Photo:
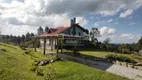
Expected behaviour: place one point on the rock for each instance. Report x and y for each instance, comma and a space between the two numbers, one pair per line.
133, 66
138, 64
51, 61
36, 64
42, 63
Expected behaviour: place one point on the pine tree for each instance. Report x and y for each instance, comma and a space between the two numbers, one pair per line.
40, 31
46, 29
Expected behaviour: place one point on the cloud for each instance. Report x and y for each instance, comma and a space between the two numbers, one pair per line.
106, 31
110, 20
31, 14
126, 13
82, 21
103, 7
92, 17
96, 24
132, 23
116, 37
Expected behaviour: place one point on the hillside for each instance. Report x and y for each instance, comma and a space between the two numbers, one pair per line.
16, 65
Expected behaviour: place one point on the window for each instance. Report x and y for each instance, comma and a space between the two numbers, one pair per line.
79, 33
74, 33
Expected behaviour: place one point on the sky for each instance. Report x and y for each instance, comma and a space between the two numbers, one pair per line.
120, 20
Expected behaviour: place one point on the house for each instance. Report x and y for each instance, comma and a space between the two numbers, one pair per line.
66, 36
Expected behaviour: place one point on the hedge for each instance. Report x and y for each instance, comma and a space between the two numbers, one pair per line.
120, 58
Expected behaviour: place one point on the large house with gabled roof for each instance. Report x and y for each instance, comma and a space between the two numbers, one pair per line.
67, 36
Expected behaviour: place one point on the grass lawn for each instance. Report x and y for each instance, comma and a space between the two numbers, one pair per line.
95, 53
16, 65
103, 54
91, 53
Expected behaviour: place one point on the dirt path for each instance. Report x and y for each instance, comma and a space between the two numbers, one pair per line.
112, 68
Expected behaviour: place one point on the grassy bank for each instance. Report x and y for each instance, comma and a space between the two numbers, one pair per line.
16, 65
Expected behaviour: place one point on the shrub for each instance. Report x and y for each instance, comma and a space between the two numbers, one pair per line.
111, 57
120, 58
51, 74
32, 68
39, 71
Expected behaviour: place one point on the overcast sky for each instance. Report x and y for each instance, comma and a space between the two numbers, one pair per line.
120, 20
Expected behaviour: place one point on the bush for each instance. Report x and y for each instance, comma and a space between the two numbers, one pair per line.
51, 74
32, 68
111, 57
120, 58
39, 71
26, 44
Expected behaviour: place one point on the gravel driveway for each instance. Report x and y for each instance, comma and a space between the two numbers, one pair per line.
112, 68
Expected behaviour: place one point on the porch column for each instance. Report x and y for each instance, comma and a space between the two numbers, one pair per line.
44, 46
52, 40
57, 47
35, 41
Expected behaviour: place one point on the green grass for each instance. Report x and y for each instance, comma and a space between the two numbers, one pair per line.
95, 53
135, 57
92, 53
66, 70
16, 65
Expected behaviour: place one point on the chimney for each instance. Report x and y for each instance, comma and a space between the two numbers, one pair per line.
73, 21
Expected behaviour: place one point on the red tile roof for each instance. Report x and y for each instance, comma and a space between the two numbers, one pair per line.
54, 31
61, 29
57, 31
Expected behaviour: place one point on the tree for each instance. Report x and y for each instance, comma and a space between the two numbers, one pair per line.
139, 44
94, 33
107, 44
125, 48
46, 29
40, 30
107, 40
23, 38
27, 36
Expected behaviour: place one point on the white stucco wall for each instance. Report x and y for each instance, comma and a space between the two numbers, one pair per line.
78, 30
48, 43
